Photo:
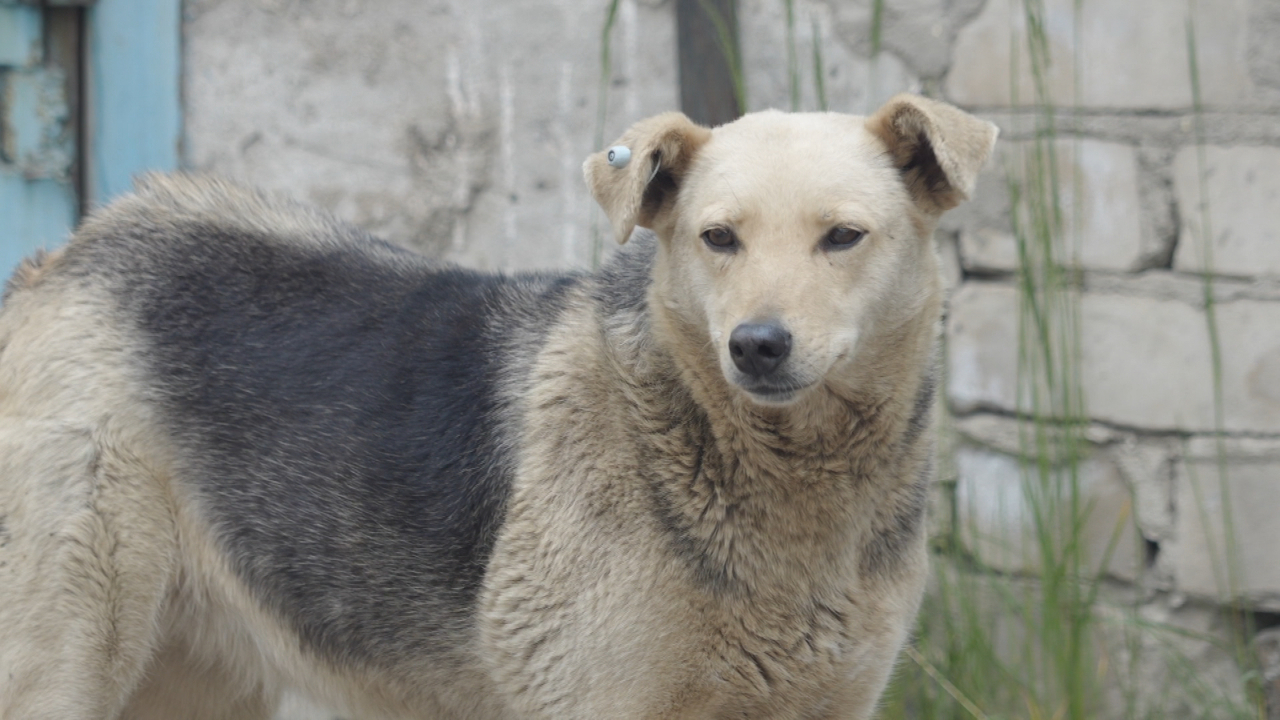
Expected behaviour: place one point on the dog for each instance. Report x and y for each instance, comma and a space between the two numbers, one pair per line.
246, 448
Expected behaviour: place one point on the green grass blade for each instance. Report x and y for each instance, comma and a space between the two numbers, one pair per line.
819, 68
602, 113
793, 65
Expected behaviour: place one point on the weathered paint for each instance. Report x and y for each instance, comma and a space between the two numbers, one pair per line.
134, 63
38, 203
33, 125
133, 81
33, 214
20, 44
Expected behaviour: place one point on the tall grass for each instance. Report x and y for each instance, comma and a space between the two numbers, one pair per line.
727, 41
1230, 570
1051, 395
793, 61
1058, 665
819, 69
602, 114
1017, 648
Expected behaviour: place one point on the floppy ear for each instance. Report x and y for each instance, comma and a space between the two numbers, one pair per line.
938, 148
645, 187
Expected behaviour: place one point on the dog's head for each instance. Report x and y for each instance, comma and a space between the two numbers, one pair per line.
788, 240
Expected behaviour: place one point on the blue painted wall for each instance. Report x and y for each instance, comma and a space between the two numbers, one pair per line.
133, 112
38, 203
134, 66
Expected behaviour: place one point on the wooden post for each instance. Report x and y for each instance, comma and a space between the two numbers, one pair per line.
710, 66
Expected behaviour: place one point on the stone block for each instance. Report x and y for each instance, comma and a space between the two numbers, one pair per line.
949, 261
1242, 187
1144, 463
1168, 659
1102, 211
982, 343
982, 223
1226, 531
1003, 504
921, 32
853, 82
1267, 645
1134, 54
1264, 55
456, 128
1152, 660
1145, 363
1147, 467
1250, 365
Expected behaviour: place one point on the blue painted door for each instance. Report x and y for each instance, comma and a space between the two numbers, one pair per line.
133, 62
39, 200
89, 98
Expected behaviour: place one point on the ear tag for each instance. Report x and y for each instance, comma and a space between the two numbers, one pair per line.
619, 156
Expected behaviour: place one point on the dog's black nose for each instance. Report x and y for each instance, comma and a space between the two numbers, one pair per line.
759, 348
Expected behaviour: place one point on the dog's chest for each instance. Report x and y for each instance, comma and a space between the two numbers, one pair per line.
619, 614
783, 658
626, 569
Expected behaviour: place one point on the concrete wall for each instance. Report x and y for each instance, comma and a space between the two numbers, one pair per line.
455, 127
458, 128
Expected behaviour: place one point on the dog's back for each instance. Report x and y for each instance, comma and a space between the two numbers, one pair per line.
336, 403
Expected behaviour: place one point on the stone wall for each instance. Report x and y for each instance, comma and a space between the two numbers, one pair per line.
459, 127
1131, 180
1142, 199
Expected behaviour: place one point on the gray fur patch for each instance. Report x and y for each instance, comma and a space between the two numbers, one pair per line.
902, 519
900, 524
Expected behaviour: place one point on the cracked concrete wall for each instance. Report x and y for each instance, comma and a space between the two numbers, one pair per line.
457, 128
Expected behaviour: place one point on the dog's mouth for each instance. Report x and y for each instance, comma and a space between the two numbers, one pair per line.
778, 391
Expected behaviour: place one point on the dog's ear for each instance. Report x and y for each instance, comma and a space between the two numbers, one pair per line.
639, 191
938, 148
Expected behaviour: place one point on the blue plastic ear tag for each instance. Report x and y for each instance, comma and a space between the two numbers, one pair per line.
619, 156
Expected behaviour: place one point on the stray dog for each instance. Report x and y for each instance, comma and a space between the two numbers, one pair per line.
245, 447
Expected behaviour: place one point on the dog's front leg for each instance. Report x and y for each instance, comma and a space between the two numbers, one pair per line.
86, 562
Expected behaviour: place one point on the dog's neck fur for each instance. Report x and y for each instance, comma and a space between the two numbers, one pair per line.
828, 473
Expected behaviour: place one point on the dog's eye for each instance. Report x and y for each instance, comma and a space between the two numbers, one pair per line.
844, 237
720, 238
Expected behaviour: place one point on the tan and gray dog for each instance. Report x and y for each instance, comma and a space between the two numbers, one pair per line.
246, 448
